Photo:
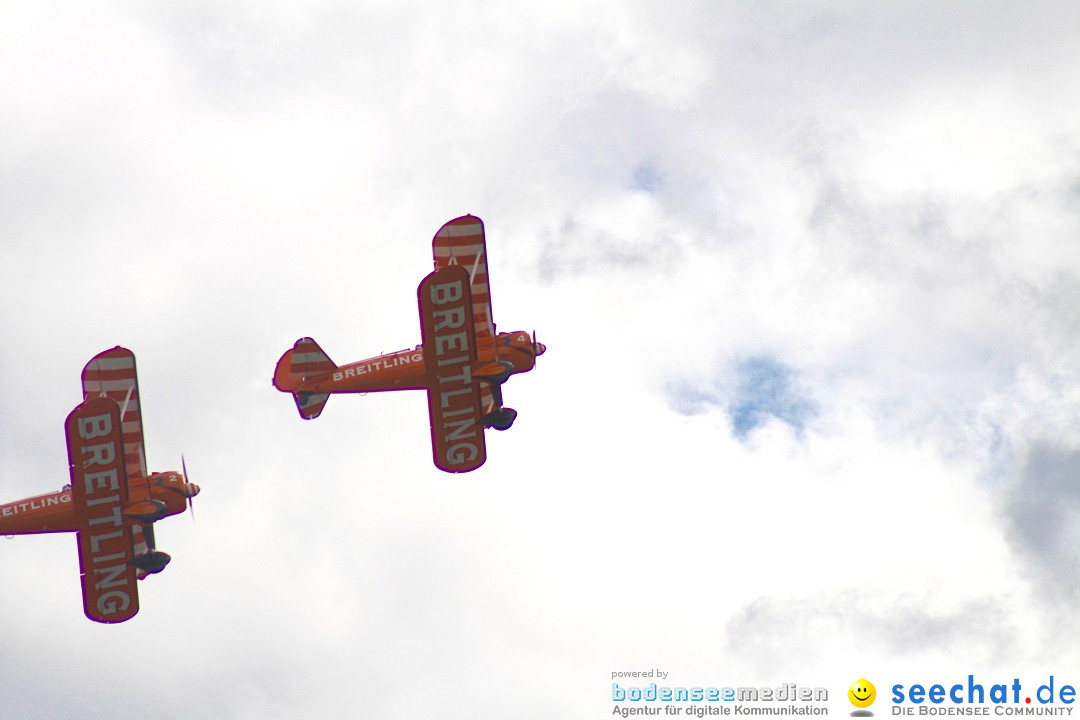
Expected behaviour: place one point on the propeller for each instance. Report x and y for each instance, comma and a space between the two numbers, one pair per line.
538, 347
190, 489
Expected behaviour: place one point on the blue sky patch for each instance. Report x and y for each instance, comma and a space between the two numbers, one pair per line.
757, 389
764, 390
648, 178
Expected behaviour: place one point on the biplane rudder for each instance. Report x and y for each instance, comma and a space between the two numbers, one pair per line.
304, 361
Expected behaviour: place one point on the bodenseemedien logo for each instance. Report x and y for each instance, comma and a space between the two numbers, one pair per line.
701, 701
862, 694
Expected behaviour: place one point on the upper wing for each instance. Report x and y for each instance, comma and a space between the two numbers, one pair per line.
111, 374
461, 242
99, 490
449, 345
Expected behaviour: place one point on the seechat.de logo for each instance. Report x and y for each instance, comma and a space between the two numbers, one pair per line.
862, 694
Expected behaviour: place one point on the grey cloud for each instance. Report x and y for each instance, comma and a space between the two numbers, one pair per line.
575, 249
769, 632
1042, 512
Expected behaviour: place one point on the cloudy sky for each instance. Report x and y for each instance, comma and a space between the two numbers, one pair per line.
809, 278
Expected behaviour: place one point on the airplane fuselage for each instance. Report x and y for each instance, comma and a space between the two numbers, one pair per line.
54, 512
506, 353
48, 513
401, 370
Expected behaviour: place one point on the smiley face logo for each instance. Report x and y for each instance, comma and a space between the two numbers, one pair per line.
862, 693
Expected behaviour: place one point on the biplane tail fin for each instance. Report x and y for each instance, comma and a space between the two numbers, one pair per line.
304, 360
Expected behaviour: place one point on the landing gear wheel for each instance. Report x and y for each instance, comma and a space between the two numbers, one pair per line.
152, 562
503, 418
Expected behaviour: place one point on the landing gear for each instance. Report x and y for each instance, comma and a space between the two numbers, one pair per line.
152, 562
501, 419
500, 377
154, 511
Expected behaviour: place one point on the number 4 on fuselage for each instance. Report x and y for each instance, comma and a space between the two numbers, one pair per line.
461, 361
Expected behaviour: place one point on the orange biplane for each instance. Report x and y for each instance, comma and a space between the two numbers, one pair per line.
461, 361
112, 502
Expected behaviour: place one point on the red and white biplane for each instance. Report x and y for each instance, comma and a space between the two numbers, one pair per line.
461, 361
112, 502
